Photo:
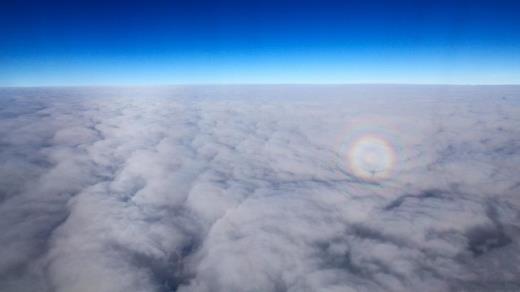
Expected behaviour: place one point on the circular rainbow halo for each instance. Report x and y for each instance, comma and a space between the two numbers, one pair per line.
371, 157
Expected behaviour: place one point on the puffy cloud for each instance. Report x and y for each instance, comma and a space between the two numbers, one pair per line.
260, 188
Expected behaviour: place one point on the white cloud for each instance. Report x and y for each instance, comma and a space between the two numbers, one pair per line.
253, 189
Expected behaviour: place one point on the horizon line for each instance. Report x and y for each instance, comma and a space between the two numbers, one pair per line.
258, 84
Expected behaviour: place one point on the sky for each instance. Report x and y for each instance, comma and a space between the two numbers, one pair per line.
192, 42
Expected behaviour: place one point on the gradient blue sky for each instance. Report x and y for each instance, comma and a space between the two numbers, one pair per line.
172, 42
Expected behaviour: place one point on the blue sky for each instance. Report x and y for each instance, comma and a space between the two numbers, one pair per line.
173, 42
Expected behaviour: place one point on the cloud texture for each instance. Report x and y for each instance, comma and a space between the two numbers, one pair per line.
260, 188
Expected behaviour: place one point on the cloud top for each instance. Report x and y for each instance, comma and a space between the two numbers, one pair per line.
260, 188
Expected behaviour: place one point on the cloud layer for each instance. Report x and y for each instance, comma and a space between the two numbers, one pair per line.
260, 188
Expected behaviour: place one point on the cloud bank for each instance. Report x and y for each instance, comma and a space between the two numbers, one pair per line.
260, 188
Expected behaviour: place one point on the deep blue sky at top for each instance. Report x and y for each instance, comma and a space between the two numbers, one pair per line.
169, 42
